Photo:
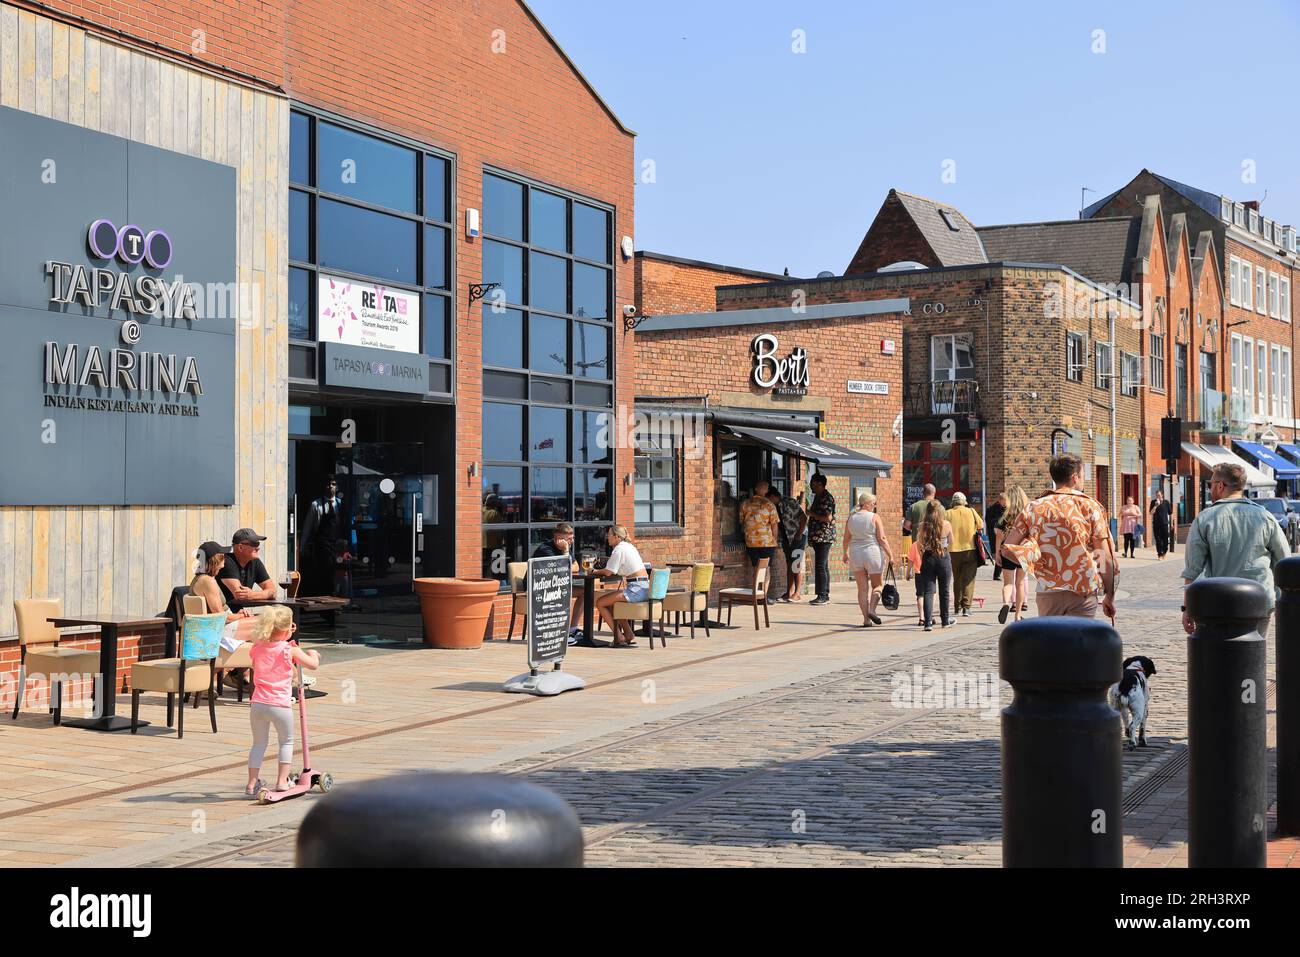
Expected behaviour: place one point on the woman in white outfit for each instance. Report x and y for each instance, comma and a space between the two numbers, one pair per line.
866, 550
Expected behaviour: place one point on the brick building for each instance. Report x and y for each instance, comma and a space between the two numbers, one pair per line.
841, 413
467, 186
1251, 408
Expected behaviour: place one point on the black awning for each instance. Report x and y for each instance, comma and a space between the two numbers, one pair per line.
830, 458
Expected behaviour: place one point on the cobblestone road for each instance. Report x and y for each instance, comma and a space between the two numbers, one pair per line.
832, 771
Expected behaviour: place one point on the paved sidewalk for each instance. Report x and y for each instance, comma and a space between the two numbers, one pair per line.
786, 746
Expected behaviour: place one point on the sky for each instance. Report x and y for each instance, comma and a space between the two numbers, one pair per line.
767, 158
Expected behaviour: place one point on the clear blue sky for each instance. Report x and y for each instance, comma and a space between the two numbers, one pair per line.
765, 158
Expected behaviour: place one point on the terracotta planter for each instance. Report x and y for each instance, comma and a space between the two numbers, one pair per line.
455, 610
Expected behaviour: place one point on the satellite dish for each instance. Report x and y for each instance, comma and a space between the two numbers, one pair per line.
826, 274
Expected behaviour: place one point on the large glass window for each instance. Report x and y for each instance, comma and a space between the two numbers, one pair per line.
550, 253
367, 207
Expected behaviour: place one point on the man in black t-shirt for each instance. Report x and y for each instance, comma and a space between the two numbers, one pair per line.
244, 577
561, 543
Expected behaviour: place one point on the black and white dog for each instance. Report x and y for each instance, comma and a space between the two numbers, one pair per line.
1132, 699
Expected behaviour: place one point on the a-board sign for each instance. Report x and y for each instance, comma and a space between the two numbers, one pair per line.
550, 594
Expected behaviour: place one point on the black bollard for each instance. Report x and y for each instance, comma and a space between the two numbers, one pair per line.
1227, 724
1286, 642
441, 820
1062, 785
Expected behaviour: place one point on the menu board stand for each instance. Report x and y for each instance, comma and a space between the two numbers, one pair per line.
550, 600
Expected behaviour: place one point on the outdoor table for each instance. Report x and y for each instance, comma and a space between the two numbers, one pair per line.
588, 582
109, 626
704, 615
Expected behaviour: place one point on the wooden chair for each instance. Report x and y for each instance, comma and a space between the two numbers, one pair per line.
40, 654
295, 582
517, 576
694, 600
645, 610
193, 671
755, 595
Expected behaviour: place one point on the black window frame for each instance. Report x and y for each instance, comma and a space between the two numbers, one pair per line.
315, 194
570, 380
1101, 379
1075, 342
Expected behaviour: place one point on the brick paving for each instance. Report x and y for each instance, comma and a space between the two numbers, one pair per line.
792, 753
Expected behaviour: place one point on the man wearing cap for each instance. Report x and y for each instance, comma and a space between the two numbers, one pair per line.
244, 577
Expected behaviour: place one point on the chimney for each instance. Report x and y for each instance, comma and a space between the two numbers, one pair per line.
1252, 204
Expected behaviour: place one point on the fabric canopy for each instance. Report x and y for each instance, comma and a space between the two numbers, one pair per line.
1282, 467
830, 458
1212, 455
1291, 450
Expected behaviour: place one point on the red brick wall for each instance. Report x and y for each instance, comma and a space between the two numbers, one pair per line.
669, 287
142, 646
475, 77
893, 237
717, 361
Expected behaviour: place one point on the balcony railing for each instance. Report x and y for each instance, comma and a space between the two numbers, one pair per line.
1215, 411
942, 397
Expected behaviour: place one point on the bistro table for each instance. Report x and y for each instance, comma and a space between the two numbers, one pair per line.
588, 581
109, 627
704, 614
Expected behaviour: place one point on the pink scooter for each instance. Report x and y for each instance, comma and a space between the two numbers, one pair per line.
304, 781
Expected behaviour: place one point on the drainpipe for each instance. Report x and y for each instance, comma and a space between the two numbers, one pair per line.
1115, 359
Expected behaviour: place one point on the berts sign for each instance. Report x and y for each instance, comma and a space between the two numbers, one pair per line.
788, 376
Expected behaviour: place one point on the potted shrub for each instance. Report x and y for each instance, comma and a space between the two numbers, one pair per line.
455, 610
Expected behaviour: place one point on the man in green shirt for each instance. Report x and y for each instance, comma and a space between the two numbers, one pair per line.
1233, 538
917, 513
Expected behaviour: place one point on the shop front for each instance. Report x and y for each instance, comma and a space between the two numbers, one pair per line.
728, 399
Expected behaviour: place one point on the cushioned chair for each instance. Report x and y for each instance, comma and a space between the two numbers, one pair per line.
192, 672
517, 576
645, 610
40, 654
755, 595
694, 600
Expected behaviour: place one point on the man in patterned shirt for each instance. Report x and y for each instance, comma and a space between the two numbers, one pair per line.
760, 521
1066, 537
821, 536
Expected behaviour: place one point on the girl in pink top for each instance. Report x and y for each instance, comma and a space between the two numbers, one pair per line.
274, 657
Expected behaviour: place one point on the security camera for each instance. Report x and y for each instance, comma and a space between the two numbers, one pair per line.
629, 310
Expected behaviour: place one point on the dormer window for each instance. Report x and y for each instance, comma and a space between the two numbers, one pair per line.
950, 219
1254, 222
1238, 214
1225, 209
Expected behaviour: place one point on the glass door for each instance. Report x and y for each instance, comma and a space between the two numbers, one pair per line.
389, 499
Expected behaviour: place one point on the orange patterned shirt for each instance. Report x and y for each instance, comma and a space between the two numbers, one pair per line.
1062, 530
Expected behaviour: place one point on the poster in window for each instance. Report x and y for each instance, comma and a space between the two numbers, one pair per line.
358, 313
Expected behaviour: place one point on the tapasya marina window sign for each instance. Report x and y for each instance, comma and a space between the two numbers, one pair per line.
787, 376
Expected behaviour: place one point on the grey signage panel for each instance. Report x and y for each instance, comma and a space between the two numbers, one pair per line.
107, 418
356, 367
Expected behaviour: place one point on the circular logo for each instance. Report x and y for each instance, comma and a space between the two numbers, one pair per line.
130, 244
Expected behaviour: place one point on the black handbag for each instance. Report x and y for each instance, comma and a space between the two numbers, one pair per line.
981, 551
889, 592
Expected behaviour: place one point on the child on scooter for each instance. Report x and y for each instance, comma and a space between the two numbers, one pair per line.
273, 659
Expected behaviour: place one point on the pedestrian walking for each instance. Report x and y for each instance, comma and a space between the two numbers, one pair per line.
1015, 576
934, 538
866, 552
916, 514
761, 524
821, 536
993, 521
1129, 517
1233, 537
1161, 524
1065, 536
966, 526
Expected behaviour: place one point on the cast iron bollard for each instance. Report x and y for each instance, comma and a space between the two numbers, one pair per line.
1061, 760
441, 820
1227, 723
1286, 642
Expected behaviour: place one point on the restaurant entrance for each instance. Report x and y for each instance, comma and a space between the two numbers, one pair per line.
384, 529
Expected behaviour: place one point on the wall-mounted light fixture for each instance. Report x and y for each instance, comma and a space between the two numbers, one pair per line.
473, 469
